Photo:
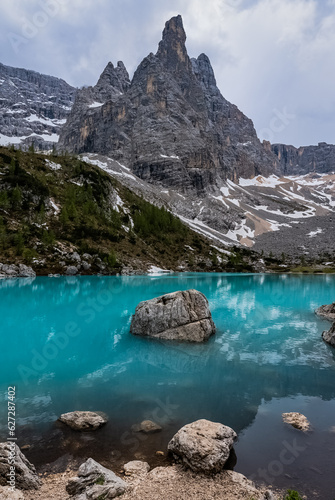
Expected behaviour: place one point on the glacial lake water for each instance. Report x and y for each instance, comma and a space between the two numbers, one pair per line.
65, 345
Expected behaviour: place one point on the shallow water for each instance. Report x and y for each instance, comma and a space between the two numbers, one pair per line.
65, 345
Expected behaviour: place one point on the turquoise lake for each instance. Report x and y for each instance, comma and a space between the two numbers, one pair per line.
65, 345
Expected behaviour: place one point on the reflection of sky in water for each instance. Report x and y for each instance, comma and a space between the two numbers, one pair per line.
268, 345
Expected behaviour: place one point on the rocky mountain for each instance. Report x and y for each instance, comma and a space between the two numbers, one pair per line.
303, 160
170, 124
33, 107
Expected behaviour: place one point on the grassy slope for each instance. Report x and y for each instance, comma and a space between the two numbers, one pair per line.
96, 215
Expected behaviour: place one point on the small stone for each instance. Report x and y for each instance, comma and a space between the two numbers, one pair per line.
147, 426
297, 420
85, 265
71, 270
160, 453
136, 467
84, 420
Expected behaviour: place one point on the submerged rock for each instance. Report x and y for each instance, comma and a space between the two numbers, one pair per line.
84, 420
297, 420
147, 426
203, 446
94, 482
329, 336
25, 472
327, 311
182, 315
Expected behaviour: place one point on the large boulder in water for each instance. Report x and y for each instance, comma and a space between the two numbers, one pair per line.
182, 315
329, 336
203, 446
327, 311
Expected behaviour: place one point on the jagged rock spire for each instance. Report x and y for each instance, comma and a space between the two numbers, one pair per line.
118, 78
171, 49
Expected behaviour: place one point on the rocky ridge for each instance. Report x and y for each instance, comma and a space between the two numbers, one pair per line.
33, 107
304, 160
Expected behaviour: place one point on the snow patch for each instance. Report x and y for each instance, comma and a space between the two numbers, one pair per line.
96, 104
157, 271
312, 234
52, 165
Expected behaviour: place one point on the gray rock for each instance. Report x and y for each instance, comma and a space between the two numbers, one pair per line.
84, 420
10, 269
25, 472
87, 256
136, 468
147, 426
182, 315
95, 481
71, 270
327, 311
85, 265
74, 256
329, 336
26, 271
203, 446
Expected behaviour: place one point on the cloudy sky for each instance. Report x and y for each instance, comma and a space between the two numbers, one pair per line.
275, 59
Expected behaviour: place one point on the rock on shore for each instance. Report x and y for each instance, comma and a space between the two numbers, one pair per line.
14, 271
182, 315
25, 472
95, 481
203, 446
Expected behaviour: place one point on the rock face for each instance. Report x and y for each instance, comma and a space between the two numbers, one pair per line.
203, 446
303, 160
183, 316
25, 472
297, 420
327, 311
94, 482
33, 107
171, 124
329, 336
84, 420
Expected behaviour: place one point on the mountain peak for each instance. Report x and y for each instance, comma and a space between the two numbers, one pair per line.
172, 50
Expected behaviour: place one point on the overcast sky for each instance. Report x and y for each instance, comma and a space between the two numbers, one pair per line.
274, 59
